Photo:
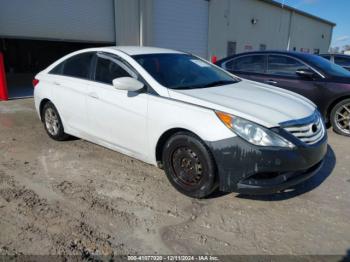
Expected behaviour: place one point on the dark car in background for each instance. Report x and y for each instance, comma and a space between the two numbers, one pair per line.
339, 59
323, 82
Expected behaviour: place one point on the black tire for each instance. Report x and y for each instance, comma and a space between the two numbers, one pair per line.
57, 131
341, 111
189, 165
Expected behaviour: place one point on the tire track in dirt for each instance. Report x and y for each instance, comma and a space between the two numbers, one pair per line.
46, 222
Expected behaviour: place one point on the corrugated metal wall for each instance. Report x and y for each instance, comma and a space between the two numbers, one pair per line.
72, 20
181, 25
127, 22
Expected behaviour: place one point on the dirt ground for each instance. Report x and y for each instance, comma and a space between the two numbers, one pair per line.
75, 197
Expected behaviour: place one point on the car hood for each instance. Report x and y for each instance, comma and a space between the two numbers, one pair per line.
263, 104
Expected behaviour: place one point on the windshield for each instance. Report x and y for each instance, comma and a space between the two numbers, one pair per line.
183, 71
327, 67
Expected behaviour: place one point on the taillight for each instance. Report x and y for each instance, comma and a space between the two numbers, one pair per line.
35, 82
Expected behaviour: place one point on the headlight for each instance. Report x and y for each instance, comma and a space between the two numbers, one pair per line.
252, 132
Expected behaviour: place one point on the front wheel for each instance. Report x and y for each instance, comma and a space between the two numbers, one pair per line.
189, 165
340, 117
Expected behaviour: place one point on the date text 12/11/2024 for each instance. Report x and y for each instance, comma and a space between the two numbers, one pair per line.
173, 258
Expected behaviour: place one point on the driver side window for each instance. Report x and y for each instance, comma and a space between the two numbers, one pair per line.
284, 66
109, 68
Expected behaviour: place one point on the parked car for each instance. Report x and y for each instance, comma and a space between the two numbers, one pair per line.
324, 83
339, 59
204, 126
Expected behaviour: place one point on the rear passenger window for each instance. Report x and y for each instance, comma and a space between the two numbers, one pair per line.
328, 57
109, 68
77, 66
284, 66
253, 64
57, 70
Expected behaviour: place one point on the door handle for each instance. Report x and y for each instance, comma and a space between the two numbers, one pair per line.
271, 82
56, 83
93, 95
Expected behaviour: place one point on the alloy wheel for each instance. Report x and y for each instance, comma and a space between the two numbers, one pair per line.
52, 122
342, 118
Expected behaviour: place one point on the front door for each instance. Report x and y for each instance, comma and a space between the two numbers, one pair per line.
281, 72
117, 117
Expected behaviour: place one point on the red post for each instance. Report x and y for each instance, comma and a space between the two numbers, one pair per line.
3, 85
214, 59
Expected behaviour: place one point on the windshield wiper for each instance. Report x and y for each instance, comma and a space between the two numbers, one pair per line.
218, 83
211, 84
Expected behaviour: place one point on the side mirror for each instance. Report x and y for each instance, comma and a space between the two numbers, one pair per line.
306, 73
127, 83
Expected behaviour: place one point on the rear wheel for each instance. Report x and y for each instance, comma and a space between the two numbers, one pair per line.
52, 122
340, 117
189, 165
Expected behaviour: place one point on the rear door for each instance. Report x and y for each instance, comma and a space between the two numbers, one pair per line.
252, 67
70, 81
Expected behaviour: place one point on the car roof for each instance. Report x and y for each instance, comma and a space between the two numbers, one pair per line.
143, 50
290, 53
339, 55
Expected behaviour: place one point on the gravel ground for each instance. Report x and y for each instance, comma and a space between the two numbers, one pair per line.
75, 197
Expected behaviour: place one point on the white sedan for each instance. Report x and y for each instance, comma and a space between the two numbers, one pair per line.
204, 126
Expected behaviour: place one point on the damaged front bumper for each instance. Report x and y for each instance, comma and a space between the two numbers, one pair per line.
250, 169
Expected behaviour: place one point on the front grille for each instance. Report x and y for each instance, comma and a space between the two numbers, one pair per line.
310, 130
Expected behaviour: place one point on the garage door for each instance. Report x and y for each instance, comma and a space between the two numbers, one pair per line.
181, 25
78, 20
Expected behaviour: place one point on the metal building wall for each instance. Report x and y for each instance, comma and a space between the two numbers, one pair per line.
181, 25
78, 20
308, 33
133, 22
127, 22
231, 20
118, 21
